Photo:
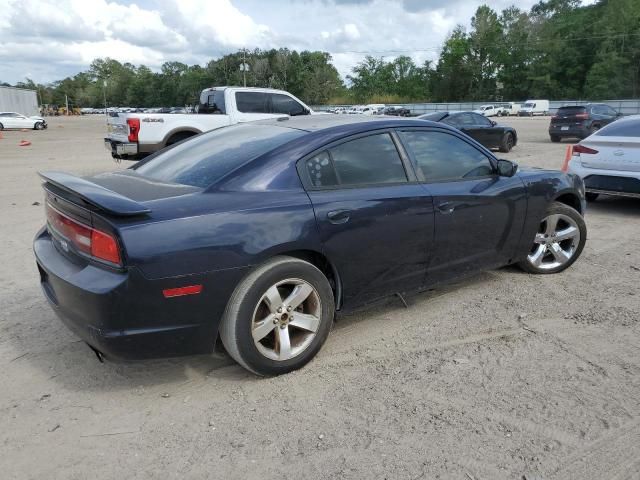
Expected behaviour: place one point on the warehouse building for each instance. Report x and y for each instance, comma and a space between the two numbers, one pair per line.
19, 100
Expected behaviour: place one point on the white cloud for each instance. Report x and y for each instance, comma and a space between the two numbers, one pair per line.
50, 39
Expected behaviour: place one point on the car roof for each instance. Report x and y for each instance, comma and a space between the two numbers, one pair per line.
314, 123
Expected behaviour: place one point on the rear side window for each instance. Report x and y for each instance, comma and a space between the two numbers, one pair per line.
621, 128
252, 102
441, 156
203, 160
370, 160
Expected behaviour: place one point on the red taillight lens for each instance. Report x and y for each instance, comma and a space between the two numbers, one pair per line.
87, 240
134, 128
555, 117
105, 247
582, 116
182, 291
578, 149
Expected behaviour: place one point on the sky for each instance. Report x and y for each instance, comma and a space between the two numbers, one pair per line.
48, 40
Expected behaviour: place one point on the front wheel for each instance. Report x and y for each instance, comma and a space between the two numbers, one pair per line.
278, 317
558, 242
1, 127
38, 126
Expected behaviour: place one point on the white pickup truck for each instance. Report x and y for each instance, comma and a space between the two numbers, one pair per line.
132, 136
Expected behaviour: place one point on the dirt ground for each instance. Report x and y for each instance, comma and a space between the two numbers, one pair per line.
502, 376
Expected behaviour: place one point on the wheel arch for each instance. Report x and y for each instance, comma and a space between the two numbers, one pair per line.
177, 131
570, 199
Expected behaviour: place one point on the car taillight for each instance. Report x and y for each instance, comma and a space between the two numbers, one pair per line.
555, 117
578, 149
134, 128
87, 240
582, 116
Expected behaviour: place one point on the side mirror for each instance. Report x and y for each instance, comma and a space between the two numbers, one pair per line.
507, 168
618, 114
493, 123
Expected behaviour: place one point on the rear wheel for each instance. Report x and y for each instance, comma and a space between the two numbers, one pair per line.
507, 142
178, 137
1, 127
555, 138
558, 242
591, 197
278, 317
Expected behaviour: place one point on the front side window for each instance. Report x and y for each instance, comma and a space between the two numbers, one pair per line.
480, 120
441, 156
286, 105
371, 160
252, 102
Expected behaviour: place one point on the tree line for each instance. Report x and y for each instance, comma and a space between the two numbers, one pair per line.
559, 49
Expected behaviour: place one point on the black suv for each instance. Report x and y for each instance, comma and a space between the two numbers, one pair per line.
580, 121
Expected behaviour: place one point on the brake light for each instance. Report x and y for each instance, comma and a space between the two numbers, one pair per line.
134, 128
182, 291
87, 240
582, 116
578, 149
555, 117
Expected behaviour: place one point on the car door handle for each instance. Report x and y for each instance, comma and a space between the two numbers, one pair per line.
446, 208
339, 216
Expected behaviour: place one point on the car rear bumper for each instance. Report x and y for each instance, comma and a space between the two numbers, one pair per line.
577, 131
611, 182
121, 314
121, 149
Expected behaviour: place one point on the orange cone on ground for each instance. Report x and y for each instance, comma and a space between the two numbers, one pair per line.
24, 143
567, 157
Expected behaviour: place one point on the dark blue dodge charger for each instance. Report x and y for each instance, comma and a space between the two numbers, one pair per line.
257, 233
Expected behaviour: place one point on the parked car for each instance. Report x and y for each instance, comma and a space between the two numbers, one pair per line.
17, 120
487, 132
259, 232
534, 107
509, 109
609, 160
489, 110
134, 136
580, 121
373, 109
397, 111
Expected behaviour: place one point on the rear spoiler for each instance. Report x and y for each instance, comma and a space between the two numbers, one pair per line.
100, 197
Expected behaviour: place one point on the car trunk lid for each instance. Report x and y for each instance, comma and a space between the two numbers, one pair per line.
570, 116
612, 153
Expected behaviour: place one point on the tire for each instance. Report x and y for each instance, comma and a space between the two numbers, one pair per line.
543, 247
555, 138
591, 196
507, 143
1, 127
38, 126
249, 303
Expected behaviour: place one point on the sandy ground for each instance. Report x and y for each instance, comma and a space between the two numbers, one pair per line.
502, 376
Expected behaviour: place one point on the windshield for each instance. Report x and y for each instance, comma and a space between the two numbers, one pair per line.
205, 159
529, 105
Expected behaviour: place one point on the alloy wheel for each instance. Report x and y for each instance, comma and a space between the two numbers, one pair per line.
286, 319
555, 243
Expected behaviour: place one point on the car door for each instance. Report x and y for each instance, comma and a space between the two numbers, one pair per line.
252, 106
375, 220
11, 120
490, 133
479, 215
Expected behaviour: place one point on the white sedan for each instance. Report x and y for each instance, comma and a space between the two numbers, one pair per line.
609, 160
16, 120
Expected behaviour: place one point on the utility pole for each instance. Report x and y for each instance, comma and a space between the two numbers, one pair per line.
104, 94
244, 67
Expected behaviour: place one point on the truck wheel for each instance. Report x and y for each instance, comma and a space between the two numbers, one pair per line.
507, 143
278, 317
178, 137
591, 196
558, 242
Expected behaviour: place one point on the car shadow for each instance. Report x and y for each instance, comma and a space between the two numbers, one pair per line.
611, 204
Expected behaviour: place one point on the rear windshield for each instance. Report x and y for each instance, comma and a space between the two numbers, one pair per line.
571, 110
205, 159
621, 128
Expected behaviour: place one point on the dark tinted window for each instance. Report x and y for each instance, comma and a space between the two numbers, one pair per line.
212, 102
434, 117
287, 105
460, 119
570, 110
621, 128
252, 102
442, 156
610, 111
368, 160
206, 158
365, 161
480, 120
